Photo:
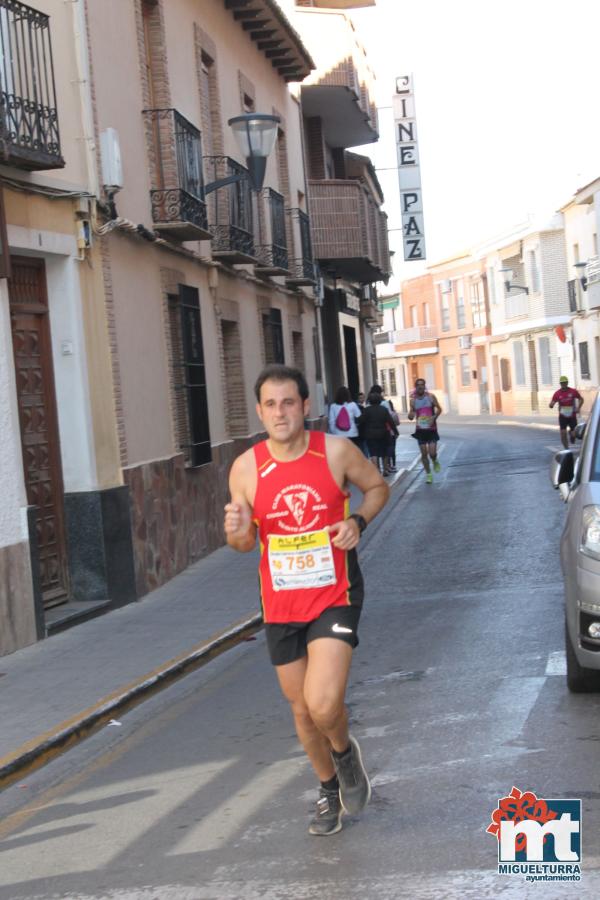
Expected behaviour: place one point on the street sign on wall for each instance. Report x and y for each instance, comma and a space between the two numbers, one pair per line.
409, 170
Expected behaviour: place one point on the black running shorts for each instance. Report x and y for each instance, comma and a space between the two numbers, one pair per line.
567, 422
287, 641
426, 436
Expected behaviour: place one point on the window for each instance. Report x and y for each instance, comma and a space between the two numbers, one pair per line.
383, 377
429, 375
519, 363
478, 305
318, 372
426, 314
413, 317
189, 376
445, 310
393, 389
534, 272
584, 361
465, 369
236, 413
572, 295
460, 307
273, 337
545, 360
492, 285
298, 350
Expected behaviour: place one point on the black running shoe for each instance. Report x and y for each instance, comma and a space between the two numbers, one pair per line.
355, 790
328, 817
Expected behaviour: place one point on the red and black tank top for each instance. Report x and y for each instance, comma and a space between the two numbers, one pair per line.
301, 572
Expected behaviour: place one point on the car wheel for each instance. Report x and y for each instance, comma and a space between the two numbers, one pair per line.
579, 679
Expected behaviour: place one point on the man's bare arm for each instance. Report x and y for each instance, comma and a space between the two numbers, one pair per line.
345, 458
240, 530
436, 406
411, 410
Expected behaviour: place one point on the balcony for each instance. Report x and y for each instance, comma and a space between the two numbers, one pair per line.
273, 255
302, 268
592, 273
340, 91
177, 194
418, 334
29, 137
230, 213
370, 312
516, 306
349, 231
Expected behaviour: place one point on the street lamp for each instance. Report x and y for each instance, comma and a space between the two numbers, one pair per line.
256, 134
508, 274
581, 267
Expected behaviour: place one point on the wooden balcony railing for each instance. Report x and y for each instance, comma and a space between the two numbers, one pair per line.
349, 230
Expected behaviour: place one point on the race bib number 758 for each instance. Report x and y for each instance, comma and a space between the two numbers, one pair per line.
301, 560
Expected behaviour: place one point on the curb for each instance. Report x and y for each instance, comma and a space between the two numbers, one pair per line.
45, 747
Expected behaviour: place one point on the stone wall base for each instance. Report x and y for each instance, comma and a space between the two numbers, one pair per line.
17, 611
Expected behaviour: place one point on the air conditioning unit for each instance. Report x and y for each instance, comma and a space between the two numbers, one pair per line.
465, 342
446, 286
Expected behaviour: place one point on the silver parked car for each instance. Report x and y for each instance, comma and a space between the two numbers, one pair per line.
576, 472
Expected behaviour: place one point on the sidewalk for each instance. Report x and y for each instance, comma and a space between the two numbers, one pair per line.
58, 691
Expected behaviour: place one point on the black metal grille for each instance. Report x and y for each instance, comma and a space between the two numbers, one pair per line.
230, 208
29, 134
177, 193
278, 237
303, 267
572, 290
190, 377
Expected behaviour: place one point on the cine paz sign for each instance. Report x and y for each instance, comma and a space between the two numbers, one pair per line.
409, 171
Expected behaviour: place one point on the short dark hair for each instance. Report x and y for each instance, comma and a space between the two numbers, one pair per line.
278, 372
417, 380
374, 398
376, 389
342, 395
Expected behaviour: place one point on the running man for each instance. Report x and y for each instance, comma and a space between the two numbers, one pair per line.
291, 491
569, 402
426, 409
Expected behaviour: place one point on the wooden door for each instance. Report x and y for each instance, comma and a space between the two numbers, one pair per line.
497, 385
37, 415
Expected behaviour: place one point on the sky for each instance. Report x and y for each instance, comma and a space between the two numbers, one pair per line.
507, 99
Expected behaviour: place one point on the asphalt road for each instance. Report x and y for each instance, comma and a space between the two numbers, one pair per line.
457, 694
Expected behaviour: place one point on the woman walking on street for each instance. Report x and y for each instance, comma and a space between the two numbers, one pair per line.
378, 424
343, 416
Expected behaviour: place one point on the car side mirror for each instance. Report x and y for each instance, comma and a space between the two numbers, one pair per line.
580, 430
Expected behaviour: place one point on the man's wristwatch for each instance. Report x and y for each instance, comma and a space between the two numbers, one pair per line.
360, 521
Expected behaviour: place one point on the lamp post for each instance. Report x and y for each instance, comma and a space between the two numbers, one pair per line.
256, 134
508, 274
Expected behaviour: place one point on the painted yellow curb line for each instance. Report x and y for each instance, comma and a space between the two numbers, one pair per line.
41, 749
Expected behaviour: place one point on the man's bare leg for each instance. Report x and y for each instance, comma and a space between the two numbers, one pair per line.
325, 684
316, 745
564, 438
425, 457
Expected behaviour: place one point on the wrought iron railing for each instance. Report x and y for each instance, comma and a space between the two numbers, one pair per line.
302, 268
177, 193
230, 214
275, 253
29, 134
